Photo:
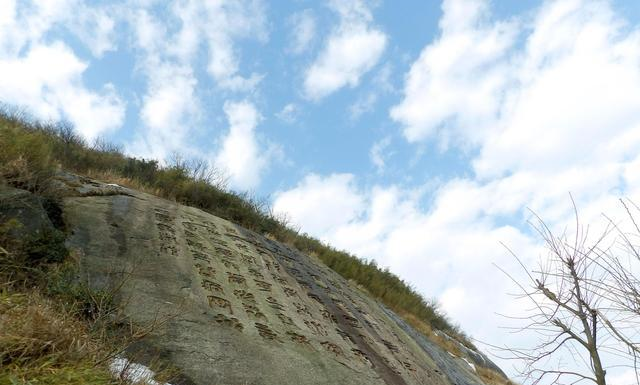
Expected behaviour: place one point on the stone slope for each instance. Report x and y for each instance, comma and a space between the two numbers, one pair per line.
239, 308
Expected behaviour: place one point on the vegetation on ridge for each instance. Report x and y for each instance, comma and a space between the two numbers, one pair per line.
32, 152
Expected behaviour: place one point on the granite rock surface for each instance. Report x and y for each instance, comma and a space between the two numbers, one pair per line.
238, 308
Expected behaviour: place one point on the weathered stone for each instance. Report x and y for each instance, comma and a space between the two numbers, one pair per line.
240, 308
26, 209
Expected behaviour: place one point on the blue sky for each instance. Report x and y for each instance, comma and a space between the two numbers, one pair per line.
416, 133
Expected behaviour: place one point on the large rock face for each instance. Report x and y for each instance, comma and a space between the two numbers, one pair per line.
240, 308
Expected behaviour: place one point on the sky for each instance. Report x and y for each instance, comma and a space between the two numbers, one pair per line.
420, 134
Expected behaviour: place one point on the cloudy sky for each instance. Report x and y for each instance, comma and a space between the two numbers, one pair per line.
416, 133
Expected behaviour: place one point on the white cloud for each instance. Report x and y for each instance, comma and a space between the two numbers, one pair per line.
218, 25
241, 156
46, 76
626, 377
350, 51
378, 151
366, 102
169, 110
382, 79
169, 99
457, 82
562, 106
226, 21
95, 27
30, 21
581, 90
169, 107
333, 194
169, 47
389, 224
150, 34
303, 31
288, 113
215, 26
363, 105
454, 299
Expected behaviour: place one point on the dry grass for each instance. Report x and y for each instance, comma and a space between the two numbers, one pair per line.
417, 324
488, 376
450, 345
110, 176
54, 329
47, 340
32, 327
424, 328
491, 377
40, 343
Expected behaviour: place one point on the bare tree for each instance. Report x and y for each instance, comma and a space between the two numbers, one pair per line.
585, 301
622, 287
103, 145
200, 170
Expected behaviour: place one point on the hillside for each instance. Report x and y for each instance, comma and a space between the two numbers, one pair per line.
235, 295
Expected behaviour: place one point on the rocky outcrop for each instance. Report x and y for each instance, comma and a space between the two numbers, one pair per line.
236, 307
26, 210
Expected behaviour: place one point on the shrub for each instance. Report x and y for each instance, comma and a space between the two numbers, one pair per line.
46, 247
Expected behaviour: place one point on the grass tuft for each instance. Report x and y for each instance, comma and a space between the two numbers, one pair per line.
41, 343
